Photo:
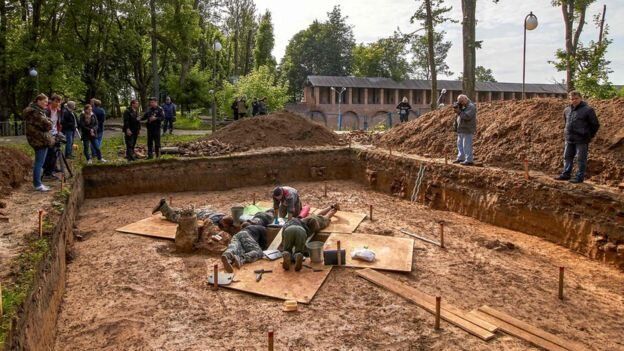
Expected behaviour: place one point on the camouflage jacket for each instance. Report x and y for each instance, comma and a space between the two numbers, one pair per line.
37, 127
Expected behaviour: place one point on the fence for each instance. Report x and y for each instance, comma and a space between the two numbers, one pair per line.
11, 128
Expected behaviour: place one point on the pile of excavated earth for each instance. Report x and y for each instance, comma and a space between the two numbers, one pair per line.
15, 166
510, 131
280, 129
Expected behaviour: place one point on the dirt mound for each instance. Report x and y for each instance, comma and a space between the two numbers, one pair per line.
362, 137
509, 131
15, 166
281, 128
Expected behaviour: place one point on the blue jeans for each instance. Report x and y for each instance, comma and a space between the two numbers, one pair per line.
40, 156
464, 147
69, 135
93, 143
581, 151
98, 142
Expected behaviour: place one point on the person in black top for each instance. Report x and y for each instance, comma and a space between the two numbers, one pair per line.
69, 122
131, 128
154, 116
245, 247
404, 110
254, 107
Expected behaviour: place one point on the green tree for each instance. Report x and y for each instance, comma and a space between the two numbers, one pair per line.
482, 74
265, 40
420, 55
383, 58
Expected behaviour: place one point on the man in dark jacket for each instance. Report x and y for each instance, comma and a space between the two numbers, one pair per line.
245, 247
581, 125
131, 128
262, 107
170, 115
69, 123
404, 109
466, 127
154, 116
100, 114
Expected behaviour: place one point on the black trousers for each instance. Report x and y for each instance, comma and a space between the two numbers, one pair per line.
130, 144
49, 166
168, 124
153, 142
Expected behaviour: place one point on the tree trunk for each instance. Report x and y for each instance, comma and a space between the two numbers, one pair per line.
567, 8
469, 47
248, 52
431, 54
155, 77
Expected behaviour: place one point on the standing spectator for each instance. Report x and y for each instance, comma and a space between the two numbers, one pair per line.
170, 115
131, 128
54, 113
100, 114
37, 129
235, 109
68, 125
466, 127
581, 126
242, 107
262, 107
404, 110
254, 107
89, 129
154, 116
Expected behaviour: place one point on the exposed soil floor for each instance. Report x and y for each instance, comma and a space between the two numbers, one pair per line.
127, 292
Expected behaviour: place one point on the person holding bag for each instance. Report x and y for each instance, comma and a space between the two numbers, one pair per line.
89, 130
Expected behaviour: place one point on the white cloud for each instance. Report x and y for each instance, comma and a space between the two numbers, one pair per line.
499, 26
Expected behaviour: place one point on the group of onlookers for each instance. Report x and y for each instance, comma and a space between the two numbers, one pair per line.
240, 108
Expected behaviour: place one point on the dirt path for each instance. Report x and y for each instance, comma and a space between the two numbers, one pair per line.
128, 292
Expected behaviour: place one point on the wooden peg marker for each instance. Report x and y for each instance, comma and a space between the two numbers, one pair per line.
339, 256
325, 189
170, 200
390, 148
370, 213
1, 311
40, 223
441, 234
445, 160
215, 285
561, 270
271, 341
437, 312
526, 169
254, 198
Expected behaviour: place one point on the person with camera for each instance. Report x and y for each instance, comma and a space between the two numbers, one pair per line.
68, 127
154, 116
131, 128
89, 130
37, 128
581, 126
54, 113
170, 115
404, 109
466, 127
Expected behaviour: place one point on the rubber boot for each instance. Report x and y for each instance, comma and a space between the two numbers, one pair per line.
298, 261
226, 263
159, 206
286, 260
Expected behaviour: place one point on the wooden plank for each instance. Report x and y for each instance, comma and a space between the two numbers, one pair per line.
415, 296
280, 284
343, 222
154, 226
532, 329
393, 254
519, 333
277, 241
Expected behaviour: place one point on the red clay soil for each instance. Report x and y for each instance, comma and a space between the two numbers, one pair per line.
509, 131
15, 167
280, 129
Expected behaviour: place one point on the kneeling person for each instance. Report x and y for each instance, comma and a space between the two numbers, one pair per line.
246, 247
295, 234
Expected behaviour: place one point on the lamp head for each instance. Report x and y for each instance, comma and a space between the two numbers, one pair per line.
217, 46
530, 22
33, 72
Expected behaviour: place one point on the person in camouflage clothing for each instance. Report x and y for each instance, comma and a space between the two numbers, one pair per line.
320, 220
245, 247
38, 133
205, 214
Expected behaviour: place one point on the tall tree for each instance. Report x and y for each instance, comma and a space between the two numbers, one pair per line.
383, 58
155, 77
420, 55
265, 41
469, 47
241, 27
432, 13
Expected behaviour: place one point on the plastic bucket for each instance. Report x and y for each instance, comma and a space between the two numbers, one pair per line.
237, 212
316, 251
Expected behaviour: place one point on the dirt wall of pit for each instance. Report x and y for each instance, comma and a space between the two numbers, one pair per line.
585, 219
218, 173
35, 326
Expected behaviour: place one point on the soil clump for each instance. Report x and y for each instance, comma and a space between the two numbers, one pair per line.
510, 131
15, 167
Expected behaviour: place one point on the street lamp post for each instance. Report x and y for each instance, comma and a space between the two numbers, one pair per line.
530, 23
217, 47
33, 73
340, 92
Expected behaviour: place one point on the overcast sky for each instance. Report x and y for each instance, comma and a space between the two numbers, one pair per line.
499, 26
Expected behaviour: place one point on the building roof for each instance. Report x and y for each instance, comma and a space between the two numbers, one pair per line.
387, 83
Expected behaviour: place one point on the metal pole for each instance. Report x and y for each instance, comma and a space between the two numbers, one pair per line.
214, 93
524, 54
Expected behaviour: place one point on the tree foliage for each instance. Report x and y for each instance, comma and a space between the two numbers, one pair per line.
383, 58
259, 83
265, 40
420, 56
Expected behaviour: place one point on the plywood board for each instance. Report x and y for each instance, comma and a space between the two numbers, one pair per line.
154, 226
392, 254
531, 329
420, 299
280, 284
277, 241
343, 222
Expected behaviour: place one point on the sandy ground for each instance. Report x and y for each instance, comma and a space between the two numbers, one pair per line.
127, 292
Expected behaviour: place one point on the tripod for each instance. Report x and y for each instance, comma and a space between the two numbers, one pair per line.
62, 161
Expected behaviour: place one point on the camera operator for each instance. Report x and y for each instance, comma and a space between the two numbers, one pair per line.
154, 116
466, 127
37, 129
131, 128
404, 109
69, 125
89, 130
54, 113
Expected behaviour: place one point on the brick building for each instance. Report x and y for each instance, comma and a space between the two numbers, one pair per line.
367, 101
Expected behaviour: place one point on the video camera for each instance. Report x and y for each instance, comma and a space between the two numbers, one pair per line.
59, 139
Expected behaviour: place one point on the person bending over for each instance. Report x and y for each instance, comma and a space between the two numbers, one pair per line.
295, 234
245, 247
286, 202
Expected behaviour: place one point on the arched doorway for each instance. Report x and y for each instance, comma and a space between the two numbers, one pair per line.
380, 117
318, 117
350, 121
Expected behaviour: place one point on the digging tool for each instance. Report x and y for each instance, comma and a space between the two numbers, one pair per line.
260, 272
223, 278
312, 268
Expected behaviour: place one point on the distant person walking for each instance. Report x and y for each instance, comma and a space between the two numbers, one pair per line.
404, 109
466, 127
154, 116
262, 107
100, 115
89, 129
69, 123
254, 107
170, 115
242, 107
581, 126
131, 128
38, 128
235, 109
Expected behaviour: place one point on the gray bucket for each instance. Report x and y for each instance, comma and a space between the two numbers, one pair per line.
237, 212
316, 251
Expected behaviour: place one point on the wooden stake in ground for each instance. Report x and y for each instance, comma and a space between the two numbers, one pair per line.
40, 223
390, 148
561, 269
325, 189
445, 160
1, 311
370, 213
437, 312
271, 336
339, 257
442, 234
215, 277
170, 200
526, 169
254, 198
